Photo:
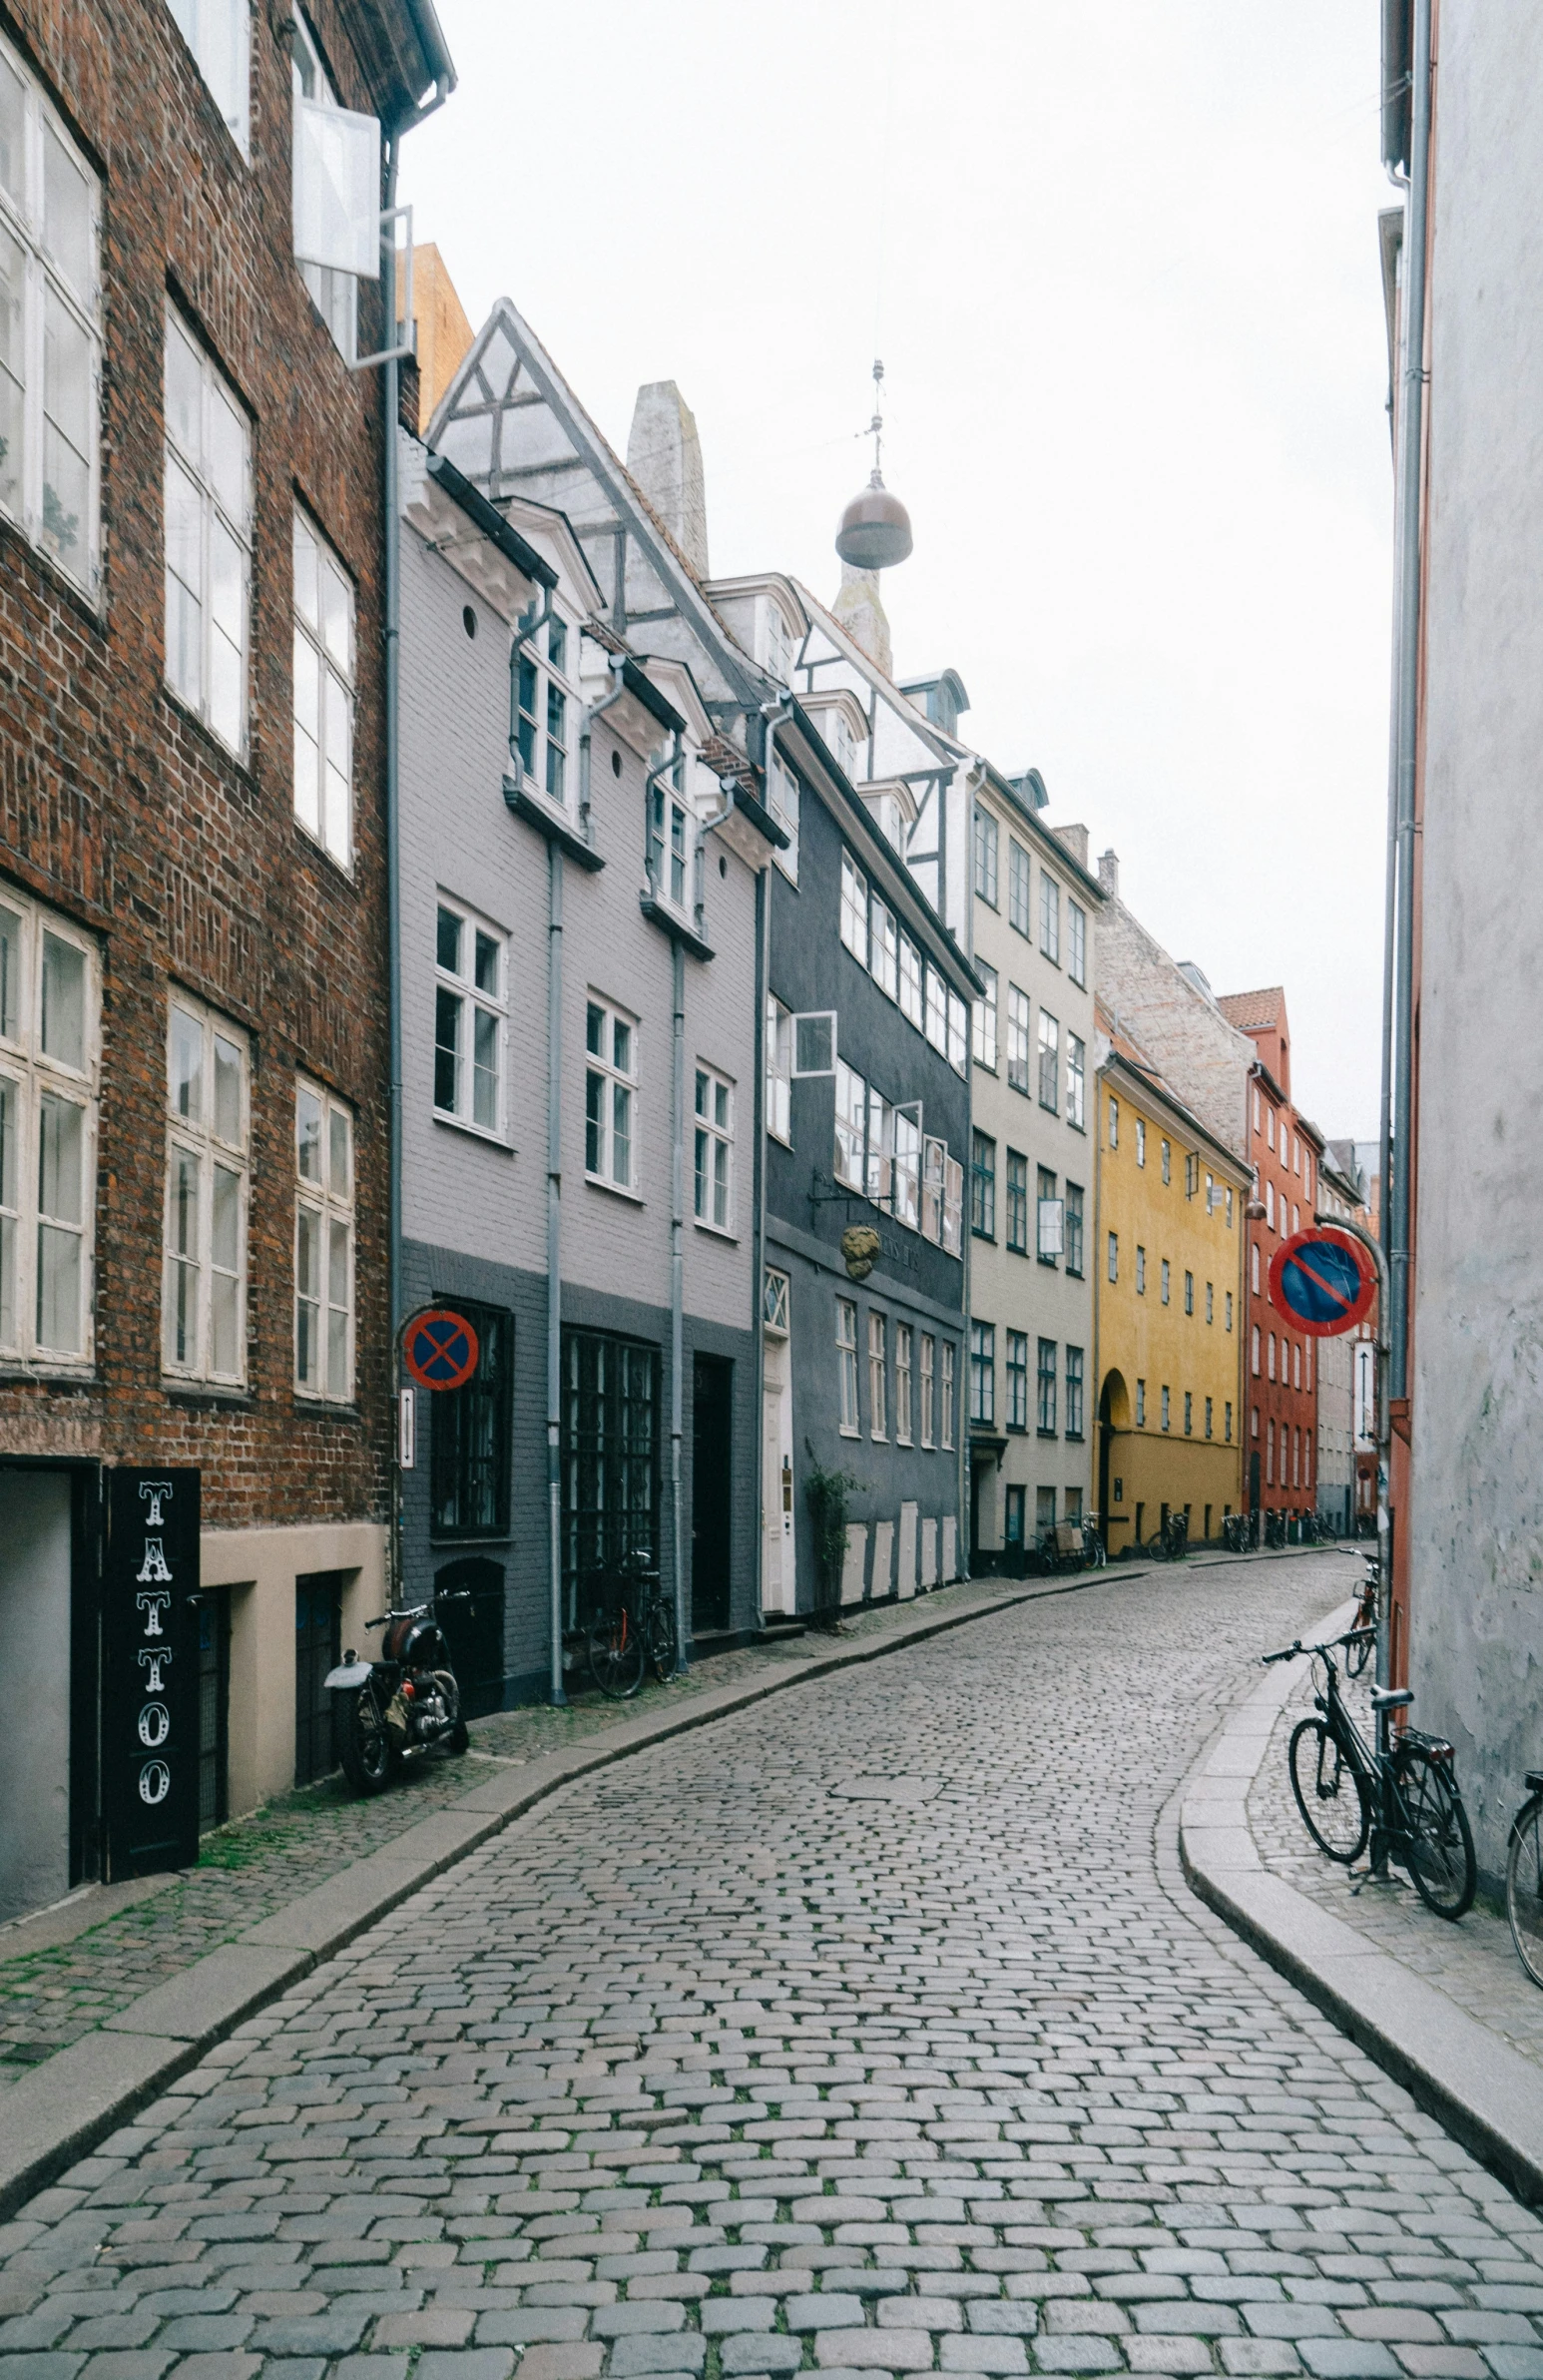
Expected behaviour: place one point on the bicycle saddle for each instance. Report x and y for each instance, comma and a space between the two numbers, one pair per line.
1535, 1780
1392, 1698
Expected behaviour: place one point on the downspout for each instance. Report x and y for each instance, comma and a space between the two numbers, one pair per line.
771, 713
678, 1287
392, 638
965, 1458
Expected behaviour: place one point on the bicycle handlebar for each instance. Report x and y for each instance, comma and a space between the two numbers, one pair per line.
1290, 1652
1287, 1654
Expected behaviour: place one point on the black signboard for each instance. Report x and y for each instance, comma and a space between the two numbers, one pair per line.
150, 1675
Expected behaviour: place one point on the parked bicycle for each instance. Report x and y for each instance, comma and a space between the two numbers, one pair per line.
631, 1627
1402, 1796
1524, 1878
1364, 1627
1275, 1530
1093, 1549
1171, 1542
1238, 1532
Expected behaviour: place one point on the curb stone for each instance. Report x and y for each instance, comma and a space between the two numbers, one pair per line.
1482, 2090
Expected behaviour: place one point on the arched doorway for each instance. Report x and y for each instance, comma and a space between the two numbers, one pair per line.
1114, 1415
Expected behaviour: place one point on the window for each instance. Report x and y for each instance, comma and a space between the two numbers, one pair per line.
982, 1186
1168, 1161
985, 855
1044, 1510
668, 860
928, 1368
1074, 1356
1017, 1379
1049, 1060
1306, 1365
208, 539
852, 1125
1269, 1357
48, 1090
218, 35
985, 1017
982, 1375
1210, 1303
323, 1245
335, 293
1048, 1218
846, 1357
1253, 1268
1074, 1231
1140, 1405
885, 950
1077, 936
1189, 1413
1166, 1277
543, 693
470, 1436
783, 801
610, 1095
1228, 1210
714, 1112
780, 642
1229, 1309
946, 1396
204, 1276
775, 1303
879, 1400
881, 1165
1269, 1126
50, 329
1188, 1293
1295, 1225
937, 1011
1227, 1411
1013, 1516
778, 1069
958, 1034
1019, 1014
1141, 1140
906, 1176
1114, 1256
843, 744
1049, 918
1018, 880
1141, 1271
1295, 1363
1075, 1077
469, 1010
1254, 1353
902, 1384
1190, 1174
608, 1453
1045, 1407
1164, 1408
1210, 1412
911, 982
854, 909
324, 693
1017, 1203
1114, 1123
1306, 1176
1270, 1451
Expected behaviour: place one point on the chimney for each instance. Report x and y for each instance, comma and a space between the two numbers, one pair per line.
860, 609
1109, 872
664, 455
1076, 842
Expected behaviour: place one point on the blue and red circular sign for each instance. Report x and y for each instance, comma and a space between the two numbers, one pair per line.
441, 1348
1322, 1281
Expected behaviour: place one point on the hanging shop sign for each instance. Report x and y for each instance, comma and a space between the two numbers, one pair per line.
149, 1680
1323, 1282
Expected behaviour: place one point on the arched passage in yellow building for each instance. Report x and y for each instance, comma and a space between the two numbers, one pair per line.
1114, 1414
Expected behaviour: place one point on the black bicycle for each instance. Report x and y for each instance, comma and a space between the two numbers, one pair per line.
1404, 1797
1524, 1878
1238, 1532
1171, 1542
1364, 1627
632, 1628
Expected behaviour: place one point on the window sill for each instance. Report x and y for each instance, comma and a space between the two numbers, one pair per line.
1072, 1125
489, 1140
597, 1181
784, 1139
879, 1437
551, 819
988, 1236
15, 1369
1050, 1263
314, 844
93, 610
331, 1408
1071, 1275
211, 1393
718, 1231
1044, 1433
843, 1430
1074, 1437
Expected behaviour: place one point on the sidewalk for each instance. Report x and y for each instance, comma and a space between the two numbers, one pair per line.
1447, 2009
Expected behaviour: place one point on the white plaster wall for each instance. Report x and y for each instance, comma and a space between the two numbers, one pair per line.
35, 1741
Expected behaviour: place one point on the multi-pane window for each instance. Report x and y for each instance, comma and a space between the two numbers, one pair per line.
1017, 1203
207, 538
851, 1124
1141, 1140
1049, 916
323, 1245
1074, 1375
928, 1368
1168, 1161
1164, 1408
854, 909
1227, 1416
1141, 1270
219, 33
470, 1004
50, 329
1049, 1060
1229, 1309
1045, 1408
1019, 1015
472, 1435
775, 1302
48, 1090
1018, 883
911, 982
1210, 1416
668, 858
324, 693
1048, 1218
778, 1069
335, 293
1114, 1256
884, 948
902, 1384
204, 1270
881, 1164
1188, 1293
713, 1148
1114, 1123
1076, 1075
937, 1011
982, 1186
878, 1398
1167, 1277
1017, 1379
846, 1359
1074, 1229
958, 1034
1189, 1413
953, 1205
783, 801
1140, 1405
982, 1375
986, 840
610, 1095
908, 1167
986, 1017
946, 1397
1077, 938
1209, 1302
544, 699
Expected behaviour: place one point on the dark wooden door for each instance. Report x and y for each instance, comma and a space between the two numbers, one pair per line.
317, 1609
712, 1491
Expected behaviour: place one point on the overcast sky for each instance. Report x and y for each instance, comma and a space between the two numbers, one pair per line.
1120, 260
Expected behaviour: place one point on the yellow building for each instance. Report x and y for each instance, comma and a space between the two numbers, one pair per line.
1167, 1312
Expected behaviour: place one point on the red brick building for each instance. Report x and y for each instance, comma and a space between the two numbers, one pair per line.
193, 1137
1285, 1149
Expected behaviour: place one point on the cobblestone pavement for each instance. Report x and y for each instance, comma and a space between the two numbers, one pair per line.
1473, 1962
870, 2032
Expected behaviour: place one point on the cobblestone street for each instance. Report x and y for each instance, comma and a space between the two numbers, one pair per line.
870, 2031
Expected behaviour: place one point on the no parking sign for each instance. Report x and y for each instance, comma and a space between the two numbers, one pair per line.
1322, 1281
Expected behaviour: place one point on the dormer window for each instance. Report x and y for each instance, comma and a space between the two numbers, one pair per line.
667, 850
845, 745
542, 699
779, 643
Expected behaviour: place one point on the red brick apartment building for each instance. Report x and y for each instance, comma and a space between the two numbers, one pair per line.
193, 1137
1285, 1149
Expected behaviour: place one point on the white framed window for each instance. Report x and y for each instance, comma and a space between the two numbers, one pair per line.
49, 1041
946, 1394
906, 1170
207, 538
1141, 1270
546, 702
1076, 1079
324, 693
928, 1369
204, 1322
911, 995
1167, 1151
784, 801
1019, 1021
1049, 1060
1077, 936
470, 1017
846, 1359
902, 1384
1049, 918
953, 1205
668, 859
937, 1011
986, 844
1140, 1405
878, 1378
775, 1302
778, 1071
323, 1245
884, 948
985, 1017
880, 1173
714, 1149
50, 329
610, 1095
1141, 1140
958, 1034
1253, 1351
219, 33
335, 293
854, 909
782, 642
851, 1122
1019, 880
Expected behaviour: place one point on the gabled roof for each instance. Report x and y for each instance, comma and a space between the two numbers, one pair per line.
1255, 1010
1128, 1060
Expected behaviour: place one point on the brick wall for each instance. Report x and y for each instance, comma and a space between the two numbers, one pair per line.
1206, 1059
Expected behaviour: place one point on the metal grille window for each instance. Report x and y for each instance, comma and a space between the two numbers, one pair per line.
846, 1359
884, 948
1076, 1076
208, 539
1019, 1015
205, 1268
1049, 918
609, 1458
778, 1069
472, 1433
902, 1384
911, 995
49, 1003
324, 693
50, 329
543, 696
714, 1107
1017, 1379
1049, 1060
1077, 938
1074, 1369
854, 909
470, 1008
929, 1370
1017, 1203
947, 1398
1045, 1408
323, 1245
1019, 912
878, 1398
1073, 1218
851, 1123
982, 1186
610, 1095
986, 840
982, 1374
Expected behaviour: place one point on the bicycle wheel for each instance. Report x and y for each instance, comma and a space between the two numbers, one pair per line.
1330, 1794
1524, 1886
1357, 1655
660, 1641
1098, 1553
616, 1654
1438, 1846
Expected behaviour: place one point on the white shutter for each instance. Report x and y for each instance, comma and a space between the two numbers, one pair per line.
336, 189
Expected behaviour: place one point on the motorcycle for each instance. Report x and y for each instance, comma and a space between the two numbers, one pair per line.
404, 1701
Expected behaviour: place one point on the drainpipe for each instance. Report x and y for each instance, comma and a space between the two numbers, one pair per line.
392, 638
678, 1286
770, 714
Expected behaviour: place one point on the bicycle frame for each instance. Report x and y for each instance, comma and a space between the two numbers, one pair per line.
1375, 1766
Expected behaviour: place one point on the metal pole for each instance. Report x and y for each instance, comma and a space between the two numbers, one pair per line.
391, 639
555, 1262
676, 1294
1384, 1533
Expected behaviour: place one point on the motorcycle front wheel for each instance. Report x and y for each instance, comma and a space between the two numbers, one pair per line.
363, 1744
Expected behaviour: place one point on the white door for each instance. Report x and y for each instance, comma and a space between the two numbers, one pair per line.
779, 1583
